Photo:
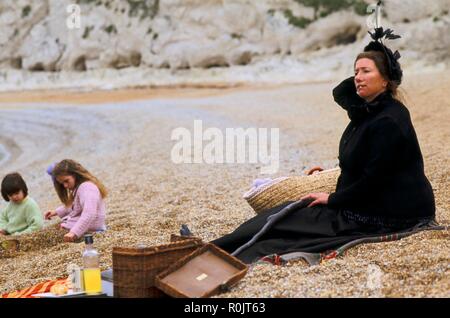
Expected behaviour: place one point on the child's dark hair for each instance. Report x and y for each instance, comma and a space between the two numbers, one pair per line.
13, 183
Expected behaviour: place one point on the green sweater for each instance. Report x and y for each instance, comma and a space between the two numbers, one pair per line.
21, 218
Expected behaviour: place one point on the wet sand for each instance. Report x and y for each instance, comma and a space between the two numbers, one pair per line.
127, 143
123, 95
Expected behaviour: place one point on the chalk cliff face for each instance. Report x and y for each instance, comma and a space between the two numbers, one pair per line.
180, 34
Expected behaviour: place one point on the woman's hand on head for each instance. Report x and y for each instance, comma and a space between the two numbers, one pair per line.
317, 198
70, 237
49, 214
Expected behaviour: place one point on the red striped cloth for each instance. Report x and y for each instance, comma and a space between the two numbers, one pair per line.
36, 289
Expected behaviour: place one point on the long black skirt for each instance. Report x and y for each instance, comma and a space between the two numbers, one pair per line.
314, 230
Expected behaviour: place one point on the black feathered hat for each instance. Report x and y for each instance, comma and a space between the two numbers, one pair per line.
394, 68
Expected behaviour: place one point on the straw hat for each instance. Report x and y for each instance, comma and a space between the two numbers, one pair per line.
284, 189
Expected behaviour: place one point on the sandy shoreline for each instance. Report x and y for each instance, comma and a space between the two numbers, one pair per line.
116, 95
126, 142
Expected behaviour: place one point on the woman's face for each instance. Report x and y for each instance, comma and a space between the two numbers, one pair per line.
368, 80
67, 181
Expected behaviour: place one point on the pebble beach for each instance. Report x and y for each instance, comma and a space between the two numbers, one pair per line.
124, 138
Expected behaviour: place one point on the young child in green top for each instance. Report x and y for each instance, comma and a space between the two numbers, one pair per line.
22, 214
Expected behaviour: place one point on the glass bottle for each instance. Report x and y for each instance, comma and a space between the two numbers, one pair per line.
91, 267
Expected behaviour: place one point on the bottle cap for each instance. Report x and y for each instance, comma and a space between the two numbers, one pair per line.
88, 239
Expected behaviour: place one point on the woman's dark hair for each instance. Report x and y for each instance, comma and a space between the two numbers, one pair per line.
382, 65
13, 183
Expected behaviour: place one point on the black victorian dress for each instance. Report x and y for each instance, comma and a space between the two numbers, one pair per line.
382, 187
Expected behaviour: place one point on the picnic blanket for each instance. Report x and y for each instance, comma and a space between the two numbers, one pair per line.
36, 289
318, 258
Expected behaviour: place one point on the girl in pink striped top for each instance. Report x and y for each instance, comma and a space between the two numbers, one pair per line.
82, 195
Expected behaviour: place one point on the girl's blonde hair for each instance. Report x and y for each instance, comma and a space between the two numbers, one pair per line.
68, 167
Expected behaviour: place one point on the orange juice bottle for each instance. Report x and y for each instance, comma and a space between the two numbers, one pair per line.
91, 268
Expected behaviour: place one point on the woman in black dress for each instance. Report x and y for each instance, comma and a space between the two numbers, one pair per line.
382, 187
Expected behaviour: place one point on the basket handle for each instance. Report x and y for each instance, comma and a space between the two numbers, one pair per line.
314, 169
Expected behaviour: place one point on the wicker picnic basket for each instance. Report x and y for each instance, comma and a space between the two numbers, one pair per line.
285, 189
135, 269
203, 273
